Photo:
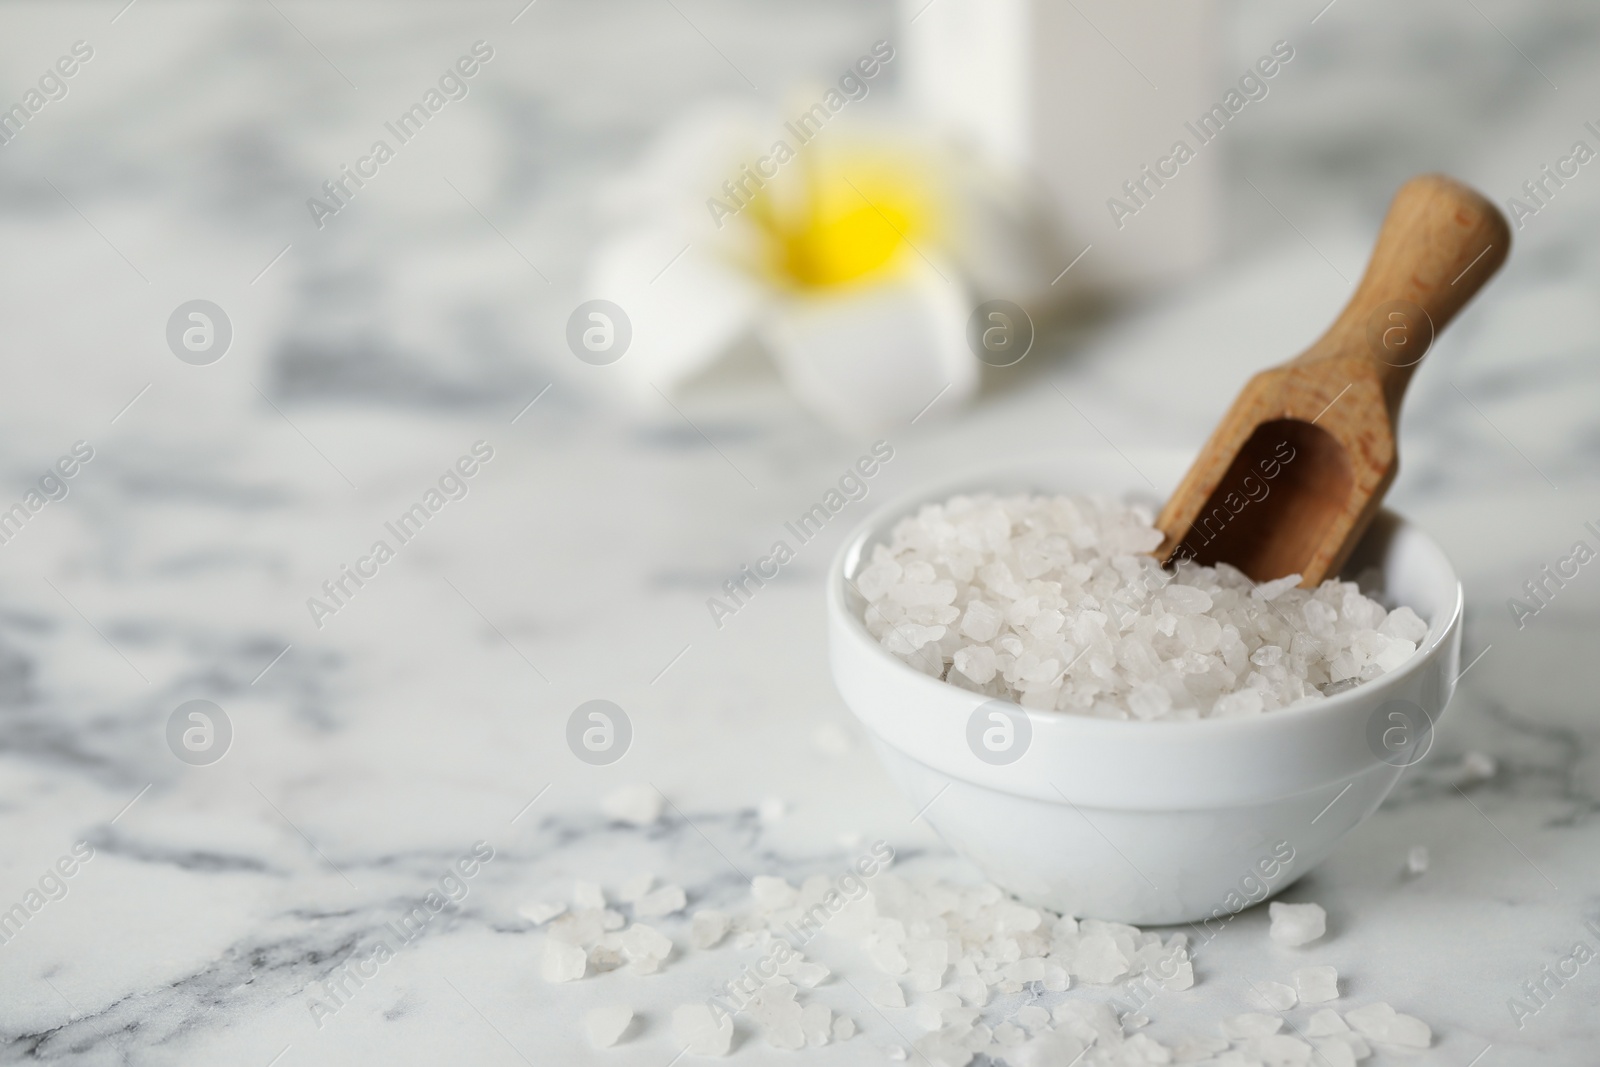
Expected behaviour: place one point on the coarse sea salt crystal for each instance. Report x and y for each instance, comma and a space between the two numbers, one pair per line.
1475, 767
588, 895
1326, 1021
931, 1008
645, 948
1009, 1035
1099, 960
1280, 1050
1334, 1052
1417, 860
1296, 924
1381, 1023
637, 805
807, 974
888, 994
1274, 996
605, 1025
1195, 1049
635, 887
816, 1020
700, 1031
708, 927
1317, 985
775, 1010
538, 912
1056, 603
974, 942
663, 901
562, 962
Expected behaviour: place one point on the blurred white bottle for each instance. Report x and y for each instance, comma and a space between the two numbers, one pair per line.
1083, 94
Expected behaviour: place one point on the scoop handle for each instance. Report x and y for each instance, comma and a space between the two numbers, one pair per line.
1440, 242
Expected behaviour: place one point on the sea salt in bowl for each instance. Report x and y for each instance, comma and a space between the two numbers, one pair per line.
1146, 822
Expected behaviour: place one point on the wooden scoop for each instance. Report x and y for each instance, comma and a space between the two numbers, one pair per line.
1289, 481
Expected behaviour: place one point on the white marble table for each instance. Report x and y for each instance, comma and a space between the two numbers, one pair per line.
428, 713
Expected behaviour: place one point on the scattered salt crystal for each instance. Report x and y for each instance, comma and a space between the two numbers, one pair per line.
958, 946
1334, 1052
886, 956
702, 1032
1009, 1035
645, 948
1274, 996
606, 954
588, 895
931, 1008
637, 805
538, 912
1475, 767
1357, 1044
1417, 860
707, 928
1099, 960
578, 927
1326, 1021
1195, 1049
817, 1021
775, 1010
771, 809
1280, 1050
927, 961
1317, 985
605, 1025
1381, 1023
562, 962
1296, 924
1049, 1049
945, 1048
974, 991
894, 1052
807, 974
635, 887
664, 901
1250, 1024
889, 995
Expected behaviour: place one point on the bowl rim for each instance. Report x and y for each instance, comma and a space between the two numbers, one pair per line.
841, 610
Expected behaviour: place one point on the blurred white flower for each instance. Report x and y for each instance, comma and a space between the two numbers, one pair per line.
853, 258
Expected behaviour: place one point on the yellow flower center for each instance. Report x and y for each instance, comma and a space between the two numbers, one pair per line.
844, 220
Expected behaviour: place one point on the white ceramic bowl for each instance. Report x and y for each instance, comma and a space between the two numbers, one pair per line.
1149, 822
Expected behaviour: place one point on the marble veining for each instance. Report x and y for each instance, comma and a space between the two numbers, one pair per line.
371, 752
